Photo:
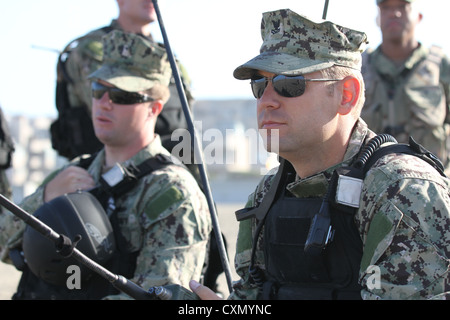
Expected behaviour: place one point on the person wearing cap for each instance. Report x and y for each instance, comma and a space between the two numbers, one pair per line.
325, 231
163, 223
407, 84
71, 132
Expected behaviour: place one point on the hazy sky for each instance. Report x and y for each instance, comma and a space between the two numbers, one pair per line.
210, 37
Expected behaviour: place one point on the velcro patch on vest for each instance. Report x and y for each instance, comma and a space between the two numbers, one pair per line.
348, 191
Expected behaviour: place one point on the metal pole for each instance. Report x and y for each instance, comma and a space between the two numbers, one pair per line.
197, 153
325, 10
118, 281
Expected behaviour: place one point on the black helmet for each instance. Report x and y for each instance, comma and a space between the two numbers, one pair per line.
71, 215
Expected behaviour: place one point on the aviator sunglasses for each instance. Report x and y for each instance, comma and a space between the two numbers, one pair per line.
117, 95
285, 86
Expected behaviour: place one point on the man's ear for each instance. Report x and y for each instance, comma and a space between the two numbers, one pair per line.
155, 108
351, 91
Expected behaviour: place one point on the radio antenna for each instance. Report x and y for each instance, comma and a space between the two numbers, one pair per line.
325, 10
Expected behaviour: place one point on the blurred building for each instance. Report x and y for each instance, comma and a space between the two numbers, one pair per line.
34, 157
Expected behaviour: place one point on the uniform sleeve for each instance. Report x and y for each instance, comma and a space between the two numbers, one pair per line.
245, 288
406, 238
12, 227
175, 246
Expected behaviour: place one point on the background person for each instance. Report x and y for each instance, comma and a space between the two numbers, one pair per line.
407, 84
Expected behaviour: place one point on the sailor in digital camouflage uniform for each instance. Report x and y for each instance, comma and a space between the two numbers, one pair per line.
407, 84
165, 218
397, 244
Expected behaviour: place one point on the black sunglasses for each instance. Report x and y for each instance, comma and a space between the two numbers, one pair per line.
117, 95
285, 86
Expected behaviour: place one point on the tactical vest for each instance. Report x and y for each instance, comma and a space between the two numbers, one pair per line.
312, 248
292, 273
415, 104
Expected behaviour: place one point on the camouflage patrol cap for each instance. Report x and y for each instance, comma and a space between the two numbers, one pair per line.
132, 63
294, 45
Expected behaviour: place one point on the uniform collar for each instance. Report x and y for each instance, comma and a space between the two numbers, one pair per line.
151, 150
116, 25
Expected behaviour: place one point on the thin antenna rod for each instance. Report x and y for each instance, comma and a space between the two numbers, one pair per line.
325, 10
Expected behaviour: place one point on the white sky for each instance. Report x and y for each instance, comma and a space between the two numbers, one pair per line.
210, 37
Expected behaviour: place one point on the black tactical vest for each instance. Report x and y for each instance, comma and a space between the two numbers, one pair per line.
293, 273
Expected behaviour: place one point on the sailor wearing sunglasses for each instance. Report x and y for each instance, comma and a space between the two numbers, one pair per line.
318, 227
161, 223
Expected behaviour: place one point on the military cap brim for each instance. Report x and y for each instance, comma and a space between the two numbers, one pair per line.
279, 63
122, 78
